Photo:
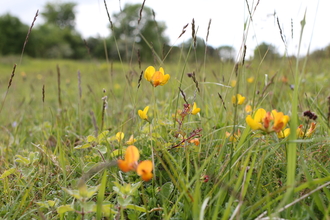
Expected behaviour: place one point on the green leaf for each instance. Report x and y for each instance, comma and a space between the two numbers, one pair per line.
102, 137
33, 157
43, 204
92, 190
27, 171
84, 146
103, 149
91, 139
21, 159
89, 206
117, 152
64, 208
74, 193
137, 208
7, 173
166, 189
107, 209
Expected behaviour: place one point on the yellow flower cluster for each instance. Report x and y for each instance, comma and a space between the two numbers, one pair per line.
273, 121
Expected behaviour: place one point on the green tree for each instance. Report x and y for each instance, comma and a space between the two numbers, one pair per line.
57, 37
146, 35
12, 35
60, 14
267, 51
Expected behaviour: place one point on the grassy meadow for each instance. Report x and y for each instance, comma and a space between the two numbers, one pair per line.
65, 125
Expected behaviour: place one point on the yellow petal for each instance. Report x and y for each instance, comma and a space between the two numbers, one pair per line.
250, 79
254, 125
260, 114
240, 99
132, 155
131, 140
311, 129
161, 69
283, 134
149, 72
120, 136
195, 110
144, 170
157, 78
143, 114
165, 79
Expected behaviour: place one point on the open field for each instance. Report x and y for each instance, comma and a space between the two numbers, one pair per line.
60, 143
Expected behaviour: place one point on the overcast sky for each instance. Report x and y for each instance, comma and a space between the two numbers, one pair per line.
227, 26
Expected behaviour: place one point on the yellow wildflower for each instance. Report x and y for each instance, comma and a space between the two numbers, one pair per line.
120, 136
131, 140
233, 83
143, 114
309, 132
238, 99
267, 121
284, 133
250, 79
156, 78
195, 110
234, 137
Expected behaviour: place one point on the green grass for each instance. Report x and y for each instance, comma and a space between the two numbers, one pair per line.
59, 148
217, 179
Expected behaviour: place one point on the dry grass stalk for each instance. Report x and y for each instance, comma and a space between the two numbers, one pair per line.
28, 34
223, 102
193, 32
106, 8
141, 9
140, 78
183, 30
9, 84
43, 93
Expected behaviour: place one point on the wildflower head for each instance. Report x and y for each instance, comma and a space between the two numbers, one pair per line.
132, 155
233, 137
131, 140
194, 141
284, 133
156, 78
267, 121
250, 79
120, 136
130, 163
195, 110
144, 170
143, 114
238, 99
301, 132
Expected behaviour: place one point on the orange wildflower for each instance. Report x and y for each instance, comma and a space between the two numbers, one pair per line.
130, 163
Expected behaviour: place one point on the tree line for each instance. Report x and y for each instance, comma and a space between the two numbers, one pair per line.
131, 37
